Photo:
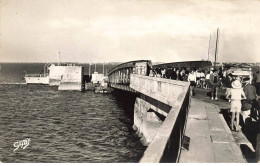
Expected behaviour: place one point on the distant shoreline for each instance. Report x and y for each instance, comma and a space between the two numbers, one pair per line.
12, 83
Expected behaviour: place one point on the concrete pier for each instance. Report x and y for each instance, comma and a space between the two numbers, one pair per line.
66, 77
165, 114
72, 78
55, 73
211, 140
146, 122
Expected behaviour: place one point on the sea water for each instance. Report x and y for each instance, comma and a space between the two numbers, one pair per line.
38, 123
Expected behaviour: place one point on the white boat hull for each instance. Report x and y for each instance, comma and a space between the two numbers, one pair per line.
37, 80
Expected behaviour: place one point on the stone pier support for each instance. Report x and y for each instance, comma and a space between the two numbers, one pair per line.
146, 122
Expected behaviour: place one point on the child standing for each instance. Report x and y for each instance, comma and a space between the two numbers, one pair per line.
234, 94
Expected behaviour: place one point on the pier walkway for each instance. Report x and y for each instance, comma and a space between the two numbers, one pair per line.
211, 140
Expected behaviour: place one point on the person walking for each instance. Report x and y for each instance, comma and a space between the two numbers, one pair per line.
192, 80
249, 103
236, 94
182, 75
168, 73
178, 74
163, 73
207, 82
257, 83
214, 81
151, 74
202, 78
174, 75
228, 83
197, 78
158, 72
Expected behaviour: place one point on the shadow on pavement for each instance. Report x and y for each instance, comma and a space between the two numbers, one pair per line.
250, 156
249, 130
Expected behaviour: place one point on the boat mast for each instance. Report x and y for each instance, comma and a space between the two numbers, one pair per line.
216, 50
209, 49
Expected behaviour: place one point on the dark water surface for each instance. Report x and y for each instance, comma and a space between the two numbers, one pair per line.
65, 126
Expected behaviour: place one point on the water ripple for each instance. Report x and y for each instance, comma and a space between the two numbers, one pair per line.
65, 126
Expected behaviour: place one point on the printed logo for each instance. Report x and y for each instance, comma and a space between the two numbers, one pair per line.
22, 144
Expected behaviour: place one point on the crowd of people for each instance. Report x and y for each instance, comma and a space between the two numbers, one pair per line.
241, 92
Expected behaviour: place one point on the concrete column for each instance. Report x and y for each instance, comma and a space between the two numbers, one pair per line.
146, 122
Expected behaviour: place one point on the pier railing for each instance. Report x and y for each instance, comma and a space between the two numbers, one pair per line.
164, 90
167, 143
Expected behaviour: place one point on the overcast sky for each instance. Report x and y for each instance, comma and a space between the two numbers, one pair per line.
125, 30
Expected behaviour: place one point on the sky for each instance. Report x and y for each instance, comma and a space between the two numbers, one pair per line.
125, 30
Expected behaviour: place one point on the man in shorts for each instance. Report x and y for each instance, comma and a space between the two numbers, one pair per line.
214, 81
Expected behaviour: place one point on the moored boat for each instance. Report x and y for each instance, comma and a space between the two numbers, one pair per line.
36, 79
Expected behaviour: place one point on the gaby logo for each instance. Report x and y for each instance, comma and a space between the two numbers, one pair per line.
22, 144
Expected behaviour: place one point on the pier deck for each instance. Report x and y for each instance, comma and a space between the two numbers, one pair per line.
211, 140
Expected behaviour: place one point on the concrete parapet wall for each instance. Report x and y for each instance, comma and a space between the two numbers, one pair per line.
166, 139
165, 146
164, 90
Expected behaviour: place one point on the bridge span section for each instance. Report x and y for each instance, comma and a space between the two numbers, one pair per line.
160, 110
119, 76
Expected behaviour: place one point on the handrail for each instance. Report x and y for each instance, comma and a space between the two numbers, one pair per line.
125, 65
